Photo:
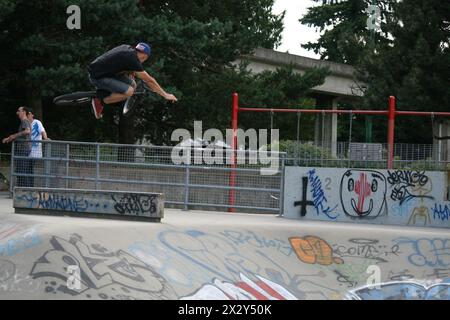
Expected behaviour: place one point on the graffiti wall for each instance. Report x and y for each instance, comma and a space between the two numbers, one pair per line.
395, 197
80, 202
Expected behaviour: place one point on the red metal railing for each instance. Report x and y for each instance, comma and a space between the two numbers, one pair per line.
391, 113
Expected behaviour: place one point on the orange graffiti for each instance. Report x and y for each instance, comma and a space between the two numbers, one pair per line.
314, 250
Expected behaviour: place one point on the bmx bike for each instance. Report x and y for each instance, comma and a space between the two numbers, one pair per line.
85, 97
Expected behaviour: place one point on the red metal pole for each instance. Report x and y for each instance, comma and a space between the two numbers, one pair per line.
234, 126
391, 131
316, 111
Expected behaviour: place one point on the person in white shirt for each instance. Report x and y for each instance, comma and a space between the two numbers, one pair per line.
38, 133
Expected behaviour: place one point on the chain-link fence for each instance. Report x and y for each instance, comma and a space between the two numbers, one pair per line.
368, 155
201, 178
5, 159
189, 178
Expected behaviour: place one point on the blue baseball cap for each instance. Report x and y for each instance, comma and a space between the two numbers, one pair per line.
144, 48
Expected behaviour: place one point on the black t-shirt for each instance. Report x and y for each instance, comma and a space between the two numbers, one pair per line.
120, 59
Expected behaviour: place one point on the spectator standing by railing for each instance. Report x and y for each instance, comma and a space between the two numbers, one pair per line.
22, 148
38, 134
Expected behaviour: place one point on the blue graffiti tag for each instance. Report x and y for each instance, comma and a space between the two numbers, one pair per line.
441, 212
61, 202
18, 245
49, 201
319, 199
250, 238
428, 252
406, 290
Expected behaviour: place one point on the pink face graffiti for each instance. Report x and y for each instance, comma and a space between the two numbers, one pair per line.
363, 193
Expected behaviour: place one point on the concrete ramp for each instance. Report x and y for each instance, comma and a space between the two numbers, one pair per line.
205, 255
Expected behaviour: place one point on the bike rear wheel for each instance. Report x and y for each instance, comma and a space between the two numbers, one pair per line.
75, 98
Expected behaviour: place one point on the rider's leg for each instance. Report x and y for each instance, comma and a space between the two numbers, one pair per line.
117, 97
122, 88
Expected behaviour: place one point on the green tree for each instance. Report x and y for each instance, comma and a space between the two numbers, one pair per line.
44, 58
414, 66
345, 37
194, 45
407, 57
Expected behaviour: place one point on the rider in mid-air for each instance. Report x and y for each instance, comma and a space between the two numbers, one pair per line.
114, 71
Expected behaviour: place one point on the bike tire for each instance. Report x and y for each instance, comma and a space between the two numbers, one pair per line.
75, 98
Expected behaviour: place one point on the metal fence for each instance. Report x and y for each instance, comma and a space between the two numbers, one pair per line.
5, 159
201, 178
206, 178
367, 155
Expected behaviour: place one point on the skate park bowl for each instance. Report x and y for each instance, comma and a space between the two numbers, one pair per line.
313, 233
216, 255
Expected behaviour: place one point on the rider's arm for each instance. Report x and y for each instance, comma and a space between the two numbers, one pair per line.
153, 84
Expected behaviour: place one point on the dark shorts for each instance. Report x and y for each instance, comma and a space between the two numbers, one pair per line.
117, 84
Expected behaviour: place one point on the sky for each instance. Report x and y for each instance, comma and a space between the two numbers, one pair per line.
294, 32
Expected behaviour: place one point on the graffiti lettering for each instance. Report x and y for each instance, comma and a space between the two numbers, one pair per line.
250, 238
44, 200
108, 275
408, 178
135, 204
319, 199
365, 249
400, 276
351, 274
344, 279
441, 212
403, 182
207, 256
314, 250
428, 252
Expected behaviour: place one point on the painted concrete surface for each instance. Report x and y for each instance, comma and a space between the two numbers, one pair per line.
83, 202
204, 255
389, 197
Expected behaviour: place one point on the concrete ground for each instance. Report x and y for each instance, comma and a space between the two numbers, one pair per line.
210, 255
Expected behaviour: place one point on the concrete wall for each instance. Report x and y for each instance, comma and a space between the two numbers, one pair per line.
341, 82
397, 197
89, 202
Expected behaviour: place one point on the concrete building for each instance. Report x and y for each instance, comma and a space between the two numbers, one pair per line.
340, 85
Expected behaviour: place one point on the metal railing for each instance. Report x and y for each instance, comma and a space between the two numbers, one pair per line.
203, 180
5, 159
207, 178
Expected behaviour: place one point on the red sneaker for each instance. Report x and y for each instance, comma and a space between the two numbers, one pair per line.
97, 106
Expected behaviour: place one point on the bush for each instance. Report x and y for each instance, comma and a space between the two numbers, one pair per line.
307, 154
